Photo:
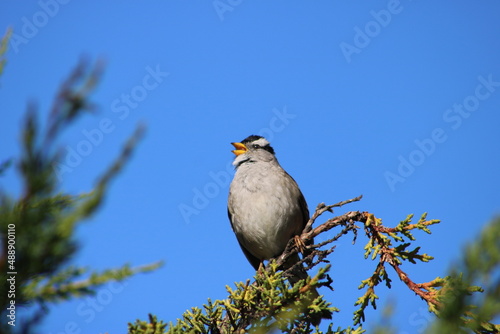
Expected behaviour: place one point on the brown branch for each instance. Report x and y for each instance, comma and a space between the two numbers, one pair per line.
348, 220
322, 208
380, 236
387, 256
384, 229
421, 289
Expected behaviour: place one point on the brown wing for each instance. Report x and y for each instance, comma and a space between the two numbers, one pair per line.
305, 214
302, 203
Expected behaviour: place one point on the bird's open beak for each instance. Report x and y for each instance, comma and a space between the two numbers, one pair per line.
240, 148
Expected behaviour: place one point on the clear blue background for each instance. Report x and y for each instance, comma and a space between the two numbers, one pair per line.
352, 118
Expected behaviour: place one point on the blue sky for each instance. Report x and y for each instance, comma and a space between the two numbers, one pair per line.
395, 100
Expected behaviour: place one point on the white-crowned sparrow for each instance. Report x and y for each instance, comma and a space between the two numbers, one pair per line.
265, 206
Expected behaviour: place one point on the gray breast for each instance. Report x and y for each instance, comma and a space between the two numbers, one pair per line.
264, 201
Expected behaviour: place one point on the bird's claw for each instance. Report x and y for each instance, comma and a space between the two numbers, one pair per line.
300, 244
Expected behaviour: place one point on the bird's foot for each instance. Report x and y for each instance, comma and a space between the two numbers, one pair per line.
300, 244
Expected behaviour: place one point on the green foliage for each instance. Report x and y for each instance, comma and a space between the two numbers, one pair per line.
451, 298
153, 326
37, 231
3, 49
37, 228
389, 247
461, 311
65, 284
268, 303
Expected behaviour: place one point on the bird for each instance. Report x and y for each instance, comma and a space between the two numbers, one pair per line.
265, 205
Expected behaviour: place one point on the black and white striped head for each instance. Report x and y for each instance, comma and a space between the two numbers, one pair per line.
253, 148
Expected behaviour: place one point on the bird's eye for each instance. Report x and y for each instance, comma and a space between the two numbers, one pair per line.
255, 146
